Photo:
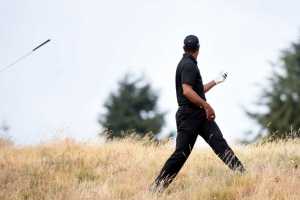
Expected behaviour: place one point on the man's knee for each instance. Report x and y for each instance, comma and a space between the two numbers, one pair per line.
181, 154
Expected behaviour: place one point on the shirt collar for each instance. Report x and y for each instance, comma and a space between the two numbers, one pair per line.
187, 55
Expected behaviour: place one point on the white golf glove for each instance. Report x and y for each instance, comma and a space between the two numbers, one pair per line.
221, 77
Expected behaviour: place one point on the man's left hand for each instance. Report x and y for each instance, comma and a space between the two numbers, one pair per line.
221, 77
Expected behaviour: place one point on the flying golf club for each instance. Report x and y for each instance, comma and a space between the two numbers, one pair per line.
25, 55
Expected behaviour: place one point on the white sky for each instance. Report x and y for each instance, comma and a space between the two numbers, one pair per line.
61, 88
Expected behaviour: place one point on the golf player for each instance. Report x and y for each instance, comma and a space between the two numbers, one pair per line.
194, 117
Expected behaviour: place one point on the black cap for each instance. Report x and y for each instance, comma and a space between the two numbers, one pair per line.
191, 41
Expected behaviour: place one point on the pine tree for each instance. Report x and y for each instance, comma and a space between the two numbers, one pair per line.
282, 97
133, 107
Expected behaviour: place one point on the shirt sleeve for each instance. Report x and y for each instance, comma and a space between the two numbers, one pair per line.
189, 74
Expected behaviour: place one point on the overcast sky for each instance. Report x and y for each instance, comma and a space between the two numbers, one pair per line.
60, 89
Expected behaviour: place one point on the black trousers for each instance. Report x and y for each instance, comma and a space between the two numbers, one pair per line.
191, 122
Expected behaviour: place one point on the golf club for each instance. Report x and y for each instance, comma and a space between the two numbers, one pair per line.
25, 55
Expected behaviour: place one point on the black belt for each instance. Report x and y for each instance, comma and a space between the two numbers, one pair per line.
191, 106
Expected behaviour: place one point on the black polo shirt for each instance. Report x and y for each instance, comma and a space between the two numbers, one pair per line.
187, 72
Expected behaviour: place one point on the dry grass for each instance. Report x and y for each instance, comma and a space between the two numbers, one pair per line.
123, 169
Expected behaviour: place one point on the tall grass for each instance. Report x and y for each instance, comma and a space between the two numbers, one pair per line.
123, 169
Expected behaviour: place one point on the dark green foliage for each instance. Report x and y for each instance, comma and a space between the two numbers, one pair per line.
282, 97
133, 107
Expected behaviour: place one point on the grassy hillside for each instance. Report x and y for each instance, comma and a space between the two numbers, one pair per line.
123, 169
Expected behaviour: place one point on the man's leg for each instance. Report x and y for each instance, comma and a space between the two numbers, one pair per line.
213, 136
188, 127
184, 146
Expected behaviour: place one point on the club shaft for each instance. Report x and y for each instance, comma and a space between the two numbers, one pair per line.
16, 61
25, 55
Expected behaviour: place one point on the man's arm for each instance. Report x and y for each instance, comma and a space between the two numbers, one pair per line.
208, 86
194, 97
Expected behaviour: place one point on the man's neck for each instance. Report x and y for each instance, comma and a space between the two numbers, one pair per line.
195, 55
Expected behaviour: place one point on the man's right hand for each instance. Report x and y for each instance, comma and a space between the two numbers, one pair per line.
210, 113
194, 97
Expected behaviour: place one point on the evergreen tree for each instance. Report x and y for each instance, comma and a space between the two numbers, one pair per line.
133, 107
283, 95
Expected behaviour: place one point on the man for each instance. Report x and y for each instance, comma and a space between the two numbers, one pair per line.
194, 117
